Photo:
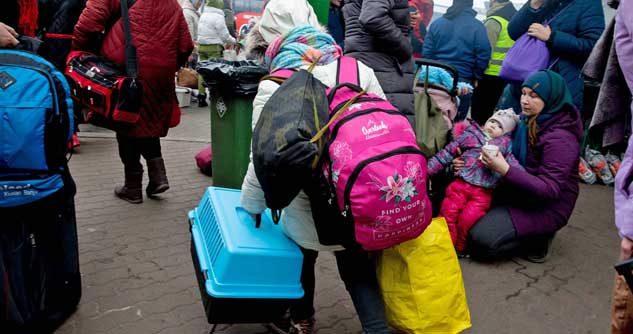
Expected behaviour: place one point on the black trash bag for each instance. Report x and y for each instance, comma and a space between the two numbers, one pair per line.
232, 77
283, 154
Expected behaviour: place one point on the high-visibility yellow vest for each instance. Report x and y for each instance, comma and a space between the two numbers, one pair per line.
501, 49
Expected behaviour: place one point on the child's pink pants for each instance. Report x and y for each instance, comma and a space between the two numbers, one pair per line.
463, 206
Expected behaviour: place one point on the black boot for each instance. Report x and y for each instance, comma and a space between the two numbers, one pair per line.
157, 177
537, 249
202, 100
132, 189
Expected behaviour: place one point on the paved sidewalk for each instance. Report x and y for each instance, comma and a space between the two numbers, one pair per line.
138, 275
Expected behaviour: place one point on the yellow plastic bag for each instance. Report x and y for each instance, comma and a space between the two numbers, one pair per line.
422, 285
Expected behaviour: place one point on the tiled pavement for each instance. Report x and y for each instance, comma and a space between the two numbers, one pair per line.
138, 276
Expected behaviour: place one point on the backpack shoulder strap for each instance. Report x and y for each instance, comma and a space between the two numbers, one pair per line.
279, 76
347, 71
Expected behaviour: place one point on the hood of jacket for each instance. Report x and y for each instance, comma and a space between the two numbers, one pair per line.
503, 9
467, 12
282, 15
255, 44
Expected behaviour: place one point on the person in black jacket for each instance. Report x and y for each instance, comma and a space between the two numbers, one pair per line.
9, 14
377, 33
56, 21
490, 87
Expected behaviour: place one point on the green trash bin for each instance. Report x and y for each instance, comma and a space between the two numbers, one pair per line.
230, 138
321, 9
233, 85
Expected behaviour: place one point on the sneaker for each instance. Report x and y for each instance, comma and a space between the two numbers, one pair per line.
302, 327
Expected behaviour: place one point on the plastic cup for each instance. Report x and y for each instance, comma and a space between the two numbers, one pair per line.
492, 150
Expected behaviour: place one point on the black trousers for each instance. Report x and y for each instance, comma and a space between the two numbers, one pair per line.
495, 236
485, 98
131, 149
358, 272
303, 308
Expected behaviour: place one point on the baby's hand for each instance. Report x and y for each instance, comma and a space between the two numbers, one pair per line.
458, 163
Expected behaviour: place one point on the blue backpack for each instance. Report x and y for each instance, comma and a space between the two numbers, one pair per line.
35, 128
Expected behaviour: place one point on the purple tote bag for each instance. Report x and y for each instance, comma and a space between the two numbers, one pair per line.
528, 55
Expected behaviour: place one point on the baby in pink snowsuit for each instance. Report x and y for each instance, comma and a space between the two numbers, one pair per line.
468, 197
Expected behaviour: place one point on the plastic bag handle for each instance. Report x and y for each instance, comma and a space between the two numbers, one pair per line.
276, 215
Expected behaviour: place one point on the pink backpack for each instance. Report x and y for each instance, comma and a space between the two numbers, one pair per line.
373, 165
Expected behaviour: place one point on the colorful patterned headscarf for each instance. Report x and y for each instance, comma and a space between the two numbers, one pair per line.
301, 46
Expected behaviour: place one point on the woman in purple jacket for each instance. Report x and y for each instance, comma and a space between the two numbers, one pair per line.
530, 205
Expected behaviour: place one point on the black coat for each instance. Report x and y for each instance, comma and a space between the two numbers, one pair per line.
9, 13
377, 33
58, 17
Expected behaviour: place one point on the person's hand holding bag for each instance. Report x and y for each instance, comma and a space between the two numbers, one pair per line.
539, 31
8, 36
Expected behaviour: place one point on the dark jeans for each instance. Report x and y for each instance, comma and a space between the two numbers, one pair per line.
485, 98
494, 237
131, 149
358, 272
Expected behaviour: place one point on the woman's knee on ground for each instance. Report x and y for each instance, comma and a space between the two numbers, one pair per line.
493, 236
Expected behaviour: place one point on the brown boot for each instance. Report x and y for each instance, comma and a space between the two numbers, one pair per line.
157, 177
132, 190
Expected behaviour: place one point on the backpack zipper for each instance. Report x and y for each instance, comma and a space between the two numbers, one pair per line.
79, 67
347, 210
362, 99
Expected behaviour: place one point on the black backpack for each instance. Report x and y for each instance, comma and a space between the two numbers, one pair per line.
284, 154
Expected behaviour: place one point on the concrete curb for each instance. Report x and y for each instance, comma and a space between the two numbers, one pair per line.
111, 135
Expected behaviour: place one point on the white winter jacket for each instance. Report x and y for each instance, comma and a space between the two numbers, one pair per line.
192, 16
297, 222
212, 28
